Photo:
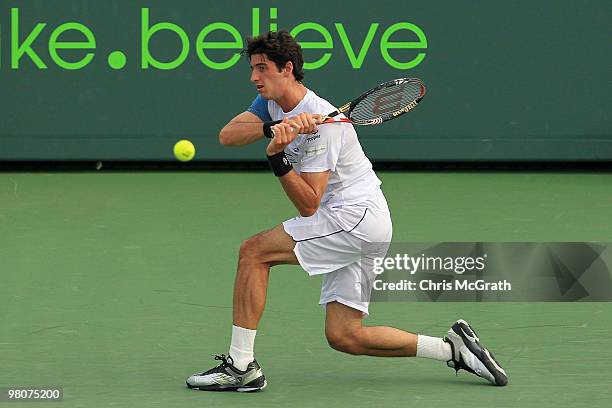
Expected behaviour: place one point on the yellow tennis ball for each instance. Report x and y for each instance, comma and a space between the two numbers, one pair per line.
184, 150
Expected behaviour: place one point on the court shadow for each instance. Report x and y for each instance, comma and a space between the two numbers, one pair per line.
359, 381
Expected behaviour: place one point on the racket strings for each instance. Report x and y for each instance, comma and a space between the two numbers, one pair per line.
385, 103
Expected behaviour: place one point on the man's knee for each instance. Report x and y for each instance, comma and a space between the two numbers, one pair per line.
345, 340
250, 250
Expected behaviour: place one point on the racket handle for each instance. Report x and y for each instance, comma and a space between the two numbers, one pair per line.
269, 133
267, 128
337, 120
273, 134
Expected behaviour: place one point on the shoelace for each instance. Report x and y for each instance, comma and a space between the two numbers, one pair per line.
457, 364
226, 360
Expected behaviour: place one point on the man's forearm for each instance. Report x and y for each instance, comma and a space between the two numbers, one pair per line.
239, 134
301, 194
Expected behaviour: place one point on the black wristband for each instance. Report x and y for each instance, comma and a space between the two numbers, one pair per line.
266, 128
280, 164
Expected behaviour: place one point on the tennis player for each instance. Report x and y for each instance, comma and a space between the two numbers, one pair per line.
344, 224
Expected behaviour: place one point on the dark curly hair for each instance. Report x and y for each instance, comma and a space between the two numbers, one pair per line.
279, 47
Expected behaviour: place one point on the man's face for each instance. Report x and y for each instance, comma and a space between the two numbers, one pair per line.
270, 83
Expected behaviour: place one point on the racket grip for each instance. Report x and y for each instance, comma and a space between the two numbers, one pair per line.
267, 131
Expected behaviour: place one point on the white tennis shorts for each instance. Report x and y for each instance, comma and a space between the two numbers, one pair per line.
341, 243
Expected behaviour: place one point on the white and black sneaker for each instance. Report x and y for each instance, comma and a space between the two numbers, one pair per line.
226, 377
469, 355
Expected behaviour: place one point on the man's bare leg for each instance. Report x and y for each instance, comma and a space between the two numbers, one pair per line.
257, 255
345, 332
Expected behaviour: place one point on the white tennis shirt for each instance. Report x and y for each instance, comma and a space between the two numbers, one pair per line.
335, 147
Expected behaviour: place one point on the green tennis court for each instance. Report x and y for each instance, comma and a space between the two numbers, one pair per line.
117, 286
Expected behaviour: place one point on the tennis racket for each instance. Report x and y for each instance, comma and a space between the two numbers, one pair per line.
382, 103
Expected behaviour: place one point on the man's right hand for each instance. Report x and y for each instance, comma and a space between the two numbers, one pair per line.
284, 133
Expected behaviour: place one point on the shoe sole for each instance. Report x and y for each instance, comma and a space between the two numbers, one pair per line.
462, 329
265, 384
222, 388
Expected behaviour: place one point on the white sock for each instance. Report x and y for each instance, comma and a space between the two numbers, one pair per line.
241, 349
433, 347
